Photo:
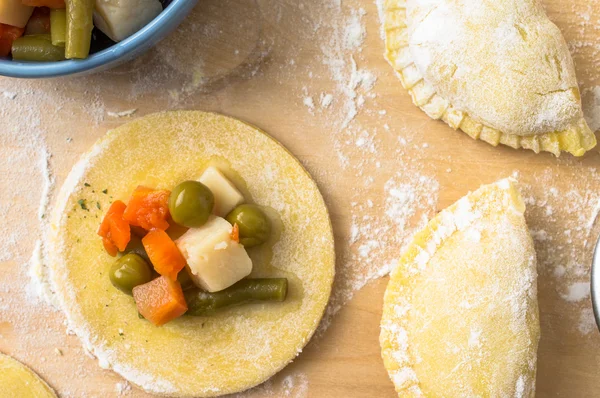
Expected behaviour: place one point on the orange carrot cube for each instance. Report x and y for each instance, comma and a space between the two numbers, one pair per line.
114, 230
148, 208
160, 301
163, 253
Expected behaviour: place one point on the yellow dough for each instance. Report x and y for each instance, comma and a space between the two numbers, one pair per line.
499, 70
192, 356
460, 314
17, 380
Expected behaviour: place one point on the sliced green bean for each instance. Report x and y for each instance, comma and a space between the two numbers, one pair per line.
58, 26
201, 303
79, 28
36, 48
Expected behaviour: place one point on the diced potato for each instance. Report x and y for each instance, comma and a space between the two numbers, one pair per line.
14, 13
227, 196
214, 260
119, 19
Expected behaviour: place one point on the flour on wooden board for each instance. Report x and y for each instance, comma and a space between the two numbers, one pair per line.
564, 237
591, 107
382, 223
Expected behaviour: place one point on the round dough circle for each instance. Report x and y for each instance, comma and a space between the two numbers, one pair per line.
191, 356
17, 380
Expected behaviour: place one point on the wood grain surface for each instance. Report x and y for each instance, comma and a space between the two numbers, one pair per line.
258, 61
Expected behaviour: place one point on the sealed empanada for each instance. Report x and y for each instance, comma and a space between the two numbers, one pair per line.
460, 315
499, 70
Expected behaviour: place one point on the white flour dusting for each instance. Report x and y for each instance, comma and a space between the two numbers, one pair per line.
577, 291
121, 114
591, 107
354, 31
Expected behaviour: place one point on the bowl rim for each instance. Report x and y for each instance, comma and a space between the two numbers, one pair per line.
161, 23
595, 283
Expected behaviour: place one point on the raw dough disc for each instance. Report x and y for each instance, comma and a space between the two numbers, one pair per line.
460, 315
231, 351
17, 380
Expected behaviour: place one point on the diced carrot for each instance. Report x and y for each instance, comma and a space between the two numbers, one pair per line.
148, 208
114, 230
39, 22
45, 3
160, 300
163, 253
235, 233
5, 47
8, 34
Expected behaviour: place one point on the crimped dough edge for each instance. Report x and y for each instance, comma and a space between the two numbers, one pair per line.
503, 193
577, 139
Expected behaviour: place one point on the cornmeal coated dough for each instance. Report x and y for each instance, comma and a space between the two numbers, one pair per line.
460, 313
499, 70
17, 380
237, 348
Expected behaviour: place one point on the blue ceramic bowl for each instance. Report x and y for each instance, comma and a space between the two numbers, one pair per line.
108, 58
595, 283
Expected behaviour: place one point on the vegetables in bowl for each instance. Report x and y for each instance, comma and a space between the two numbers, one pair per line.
54, 30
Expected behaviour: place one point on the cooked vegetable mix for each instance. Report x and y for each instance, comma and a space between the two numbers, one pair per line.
175, 242
119, 19
201, 303
254, 225
14, 13
190, 204
130, 271
39, 23
70, 24
8, 34
114, 230
163, 253
45, 3
37, 48
160, 300
58, 26
136, 246
148, 208
79, 28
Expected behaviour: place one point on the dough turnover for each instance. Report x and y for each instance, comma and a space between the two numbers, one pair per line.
499, 70
17, 380
193, 356
460, 315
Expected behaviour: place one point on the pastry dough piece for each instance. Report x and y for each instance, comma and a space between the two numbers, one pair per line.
499, 70
460, 314
232, 350
17, 380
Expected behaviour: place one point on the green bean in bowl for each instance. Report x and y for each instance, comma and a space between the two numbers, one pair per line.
54, 30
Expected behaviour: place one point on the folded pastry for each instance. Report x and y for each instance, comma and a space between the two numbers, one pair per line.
460, 315
499, 70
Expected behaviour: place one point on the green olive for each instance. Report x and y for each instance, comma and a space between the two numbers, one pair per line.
254, 225
130, 271
191, 203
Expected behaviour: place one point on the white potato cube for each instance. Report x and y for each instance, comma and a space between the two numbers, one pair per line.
215, 261
227, 196
119, 19
14, 13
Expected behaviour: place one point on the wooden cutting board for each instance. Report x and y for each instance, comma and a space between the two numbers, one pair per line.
270, 62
